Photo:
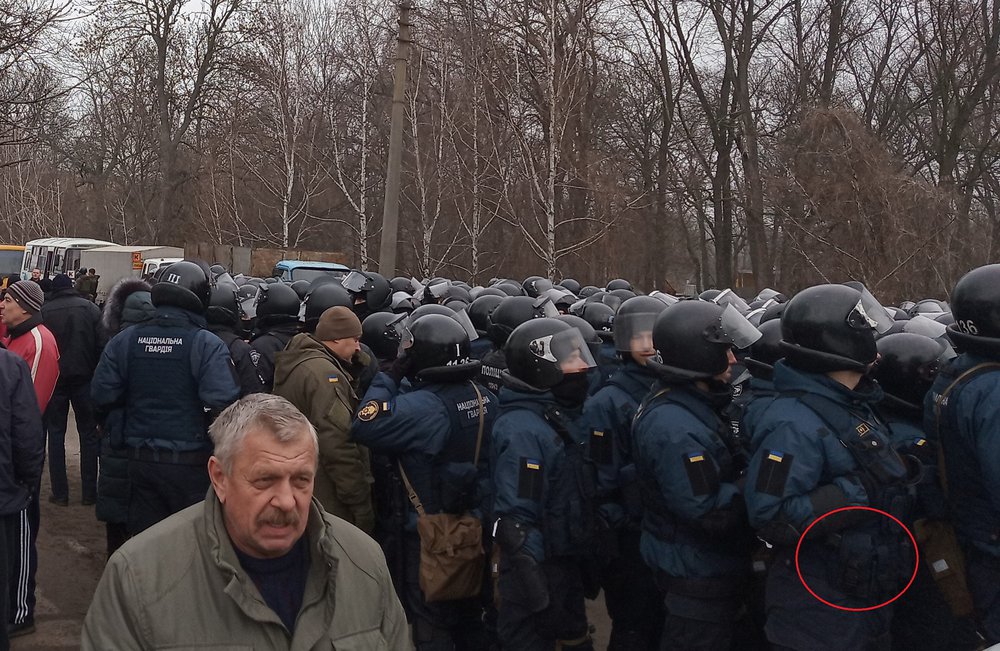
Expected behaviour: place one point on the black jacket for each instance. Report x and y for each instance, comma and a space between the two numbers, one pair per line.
244, 369
73, 321
22, 440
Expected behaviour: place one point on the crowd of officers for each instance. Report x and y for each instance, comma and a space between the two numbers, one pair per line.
695, 459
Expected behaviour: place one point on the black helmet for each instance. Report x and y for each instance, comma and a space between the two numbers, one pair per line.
301, 288
773, 312
440, 349
217, 270
400, 284
379, 294
321, 298
622, 294
765, 351
430, 308
535, 286
224, 305
183, 284
609, 299
277, 303
600, 317
907, 366
635, 317
586, 331
618, 283
491, 291
435, 290
537, 349
587, 291
825, 328
929, 306
510, 313
975, 304
693, 339
481, 310
382, 332
571, 284
709, 294
510, 288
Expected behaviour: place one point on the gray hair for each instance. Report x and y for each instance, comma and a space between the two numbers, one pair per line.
262, 412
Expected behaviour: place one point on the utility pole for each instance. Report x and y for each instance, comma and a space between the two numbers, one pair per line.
390, 209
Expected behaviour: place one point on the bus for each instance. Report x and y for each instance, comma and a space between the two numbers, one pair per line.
56, 255
11, 256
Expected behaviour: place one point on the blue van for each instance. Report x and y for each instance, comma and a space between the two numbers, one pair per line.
292, 270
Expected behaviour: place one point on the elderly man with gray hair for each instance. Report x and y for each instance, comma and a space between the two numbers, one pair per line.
258, 564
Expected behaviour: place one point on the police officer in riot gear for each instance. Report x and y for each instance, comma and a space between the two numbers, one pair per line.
822, 448
167, 440
381, 333
480, 312
633, 600
510, 313
223, 317
434, 433
543, 490
963, 408
694, 531
277, 322
320, 299
907, 366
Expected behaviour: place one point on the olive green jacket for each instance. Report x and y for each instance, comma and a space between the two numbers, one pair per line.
179, 585
325, 389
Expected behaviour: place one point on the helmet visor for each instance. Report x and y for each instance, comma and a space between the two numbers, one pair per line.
544, 306
733, 329
634, 332
871, 312
398, 326
666, 298
729, 297
566, 349
248, 301
767, 294
462, 316
357, 282
439, 290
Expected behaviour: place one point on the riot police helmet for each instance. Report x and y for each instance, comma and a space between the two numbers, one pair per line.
600, 317
383, 333
492, 291
400, 284
766, 351
632, 326
622, 294
772, 311
217, 270
571, 285
587, 291
481, 310
828, 328
907, 366
440, 349
512, 312
709, 294
694, 339
586, 331
929, 306
379, 294
975, 305
301, 288
184, 284
277, 303
535, 286
542, 352
321, 298
224, 304
618, 283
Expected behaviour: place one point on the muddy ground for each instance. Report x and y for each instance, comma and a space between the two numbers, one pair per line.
71, 554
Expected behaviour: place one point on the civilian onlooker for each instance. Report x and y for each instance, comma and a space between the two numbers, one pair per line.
22, 449
33, 342
86, 284
73, 321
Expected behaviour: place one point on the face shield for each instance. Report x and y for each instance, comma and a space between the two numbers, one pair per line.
248, 300
397, 330
357, 282
566, 349
462, 316
439, 290
729, 297
733, 329
869, 312
634, 332
921, 325
666, 298
544, 307
767, 294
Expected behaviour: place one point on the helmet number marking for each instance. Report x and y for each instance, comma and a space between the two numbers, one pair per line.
968, 326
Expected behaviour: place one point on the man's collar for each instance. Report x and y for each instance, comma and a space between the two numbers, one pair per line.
25, 326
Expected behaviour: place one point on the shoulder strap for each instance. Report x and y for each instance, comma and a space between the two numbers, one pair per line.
648, 401
410, 492
939, 402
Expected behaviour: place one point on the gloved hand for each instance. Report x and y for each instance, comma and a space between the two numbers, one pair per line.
401, 367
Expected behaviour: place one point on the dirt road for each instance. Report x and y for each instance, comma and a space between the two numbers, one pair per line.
71, 553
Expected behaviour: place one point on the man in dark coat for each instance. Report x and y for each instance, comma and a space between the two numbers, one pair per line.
73, 321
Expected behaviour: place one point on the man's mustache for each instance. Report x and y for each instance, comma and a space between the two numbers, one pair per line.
277, 518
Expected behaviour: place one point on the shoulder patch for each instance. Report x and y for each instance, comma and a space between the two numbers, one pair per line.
602, 446
332, 379
701, 473
529, 479
774, 468
369, 411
